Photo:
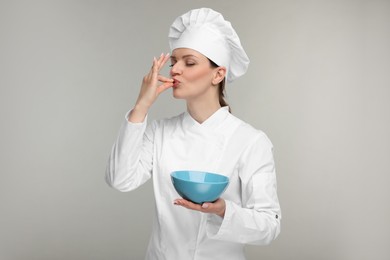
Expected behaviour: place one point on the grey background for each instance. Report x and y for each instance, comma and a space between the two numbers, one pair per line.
318, 85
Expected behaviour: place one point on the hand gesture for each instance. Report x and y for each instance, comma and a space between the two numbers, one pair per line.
151, 89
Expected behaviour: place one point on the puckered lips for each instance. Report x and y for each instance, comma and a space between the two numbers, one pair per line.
176, 82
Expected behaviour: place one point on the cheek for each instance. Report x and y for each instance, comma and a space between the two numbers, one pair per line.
199, 75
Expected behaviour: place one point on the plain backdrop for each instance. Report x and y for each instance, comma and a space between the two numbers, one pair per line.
318, 85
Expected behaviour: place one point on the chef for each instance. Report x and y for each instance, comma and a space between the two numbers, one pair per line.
206, 53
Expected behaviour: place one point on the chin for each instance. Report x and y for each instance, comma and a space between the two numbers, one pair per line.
176, 94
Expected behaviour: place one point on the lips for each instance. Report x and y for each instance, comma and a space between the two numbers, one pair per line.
175, 82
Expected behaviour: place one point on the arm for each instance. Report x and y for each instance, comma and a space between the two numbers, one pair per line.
257, 220
130, 162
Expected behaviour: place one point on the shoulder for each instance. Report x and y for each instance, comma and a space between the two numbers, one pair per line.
247, 131
249, 135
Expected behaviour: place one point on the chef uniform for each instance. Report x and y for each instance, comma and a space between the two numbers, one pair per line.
222, 144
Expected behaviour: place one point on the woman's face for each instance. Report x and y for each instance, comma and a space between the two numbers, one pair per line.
192, 74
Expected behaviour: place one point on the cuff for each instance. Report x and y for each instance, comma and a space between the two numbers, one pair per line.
131, 123
217, 227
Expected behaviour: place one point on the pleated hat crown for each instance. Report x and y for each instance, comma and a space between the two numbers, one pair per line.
207, 32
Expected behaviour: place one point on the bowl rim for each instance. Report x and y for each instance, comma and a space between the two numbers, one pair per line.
198, 182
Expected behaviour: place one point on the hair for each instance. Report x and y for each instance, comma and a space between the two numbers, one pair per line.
221, 88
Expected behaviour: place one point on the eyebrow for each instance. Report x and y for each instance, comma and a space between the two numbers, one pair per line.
185, 56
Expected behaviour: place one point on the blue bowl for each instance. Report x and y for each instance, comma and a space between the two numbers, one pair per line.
198, 186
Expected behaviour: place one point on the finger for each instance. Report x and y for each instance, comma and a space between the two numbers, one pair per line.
164, 87
187, 204
155, 65
205, 205
166, 58
212, 207
164, 79
180, 202
160, 59
163, 59
154, 71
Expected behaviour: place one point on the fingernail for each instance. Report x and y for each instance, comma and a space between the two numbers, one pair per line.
205, 205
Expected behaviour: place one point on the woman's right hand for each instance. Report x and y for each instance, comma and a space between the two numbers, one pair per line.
150, 89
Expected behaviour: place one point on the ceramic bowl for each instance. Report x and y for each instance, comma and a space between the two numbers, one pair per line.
199, 186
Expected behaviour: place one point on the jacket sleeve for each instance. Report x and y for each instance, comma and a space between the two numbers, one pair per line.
130, 161
257, 220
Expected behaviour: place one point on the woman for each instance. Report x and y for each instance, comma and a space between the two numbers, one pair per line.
207, 137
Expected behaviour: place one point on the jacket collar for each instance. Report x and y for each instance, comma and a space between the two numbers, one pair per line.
211, 123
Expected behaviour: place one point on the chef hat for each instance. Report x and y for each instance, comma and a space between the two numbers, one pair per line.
207, 32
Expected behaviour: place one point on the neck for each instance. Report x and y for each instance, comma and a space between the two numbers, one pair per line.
200, 111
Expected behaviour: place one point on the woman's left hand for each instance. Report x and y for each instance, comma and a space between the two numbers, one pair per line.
217, 207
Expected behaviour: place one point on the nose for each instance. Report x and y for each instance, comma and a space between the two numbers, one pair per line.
175, 69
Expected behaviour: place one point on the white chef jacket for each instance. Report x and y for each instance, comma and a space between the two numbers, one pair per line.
222, 144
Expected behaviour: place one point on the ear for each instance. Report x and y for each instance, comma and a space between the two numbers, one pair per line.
219, 75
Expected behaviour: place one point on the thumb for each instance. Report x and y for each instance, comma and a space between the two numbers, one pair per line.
205, 205
164, 87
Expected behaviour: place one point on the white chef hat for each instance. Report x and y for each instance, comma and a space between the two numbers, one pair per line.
207, 32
